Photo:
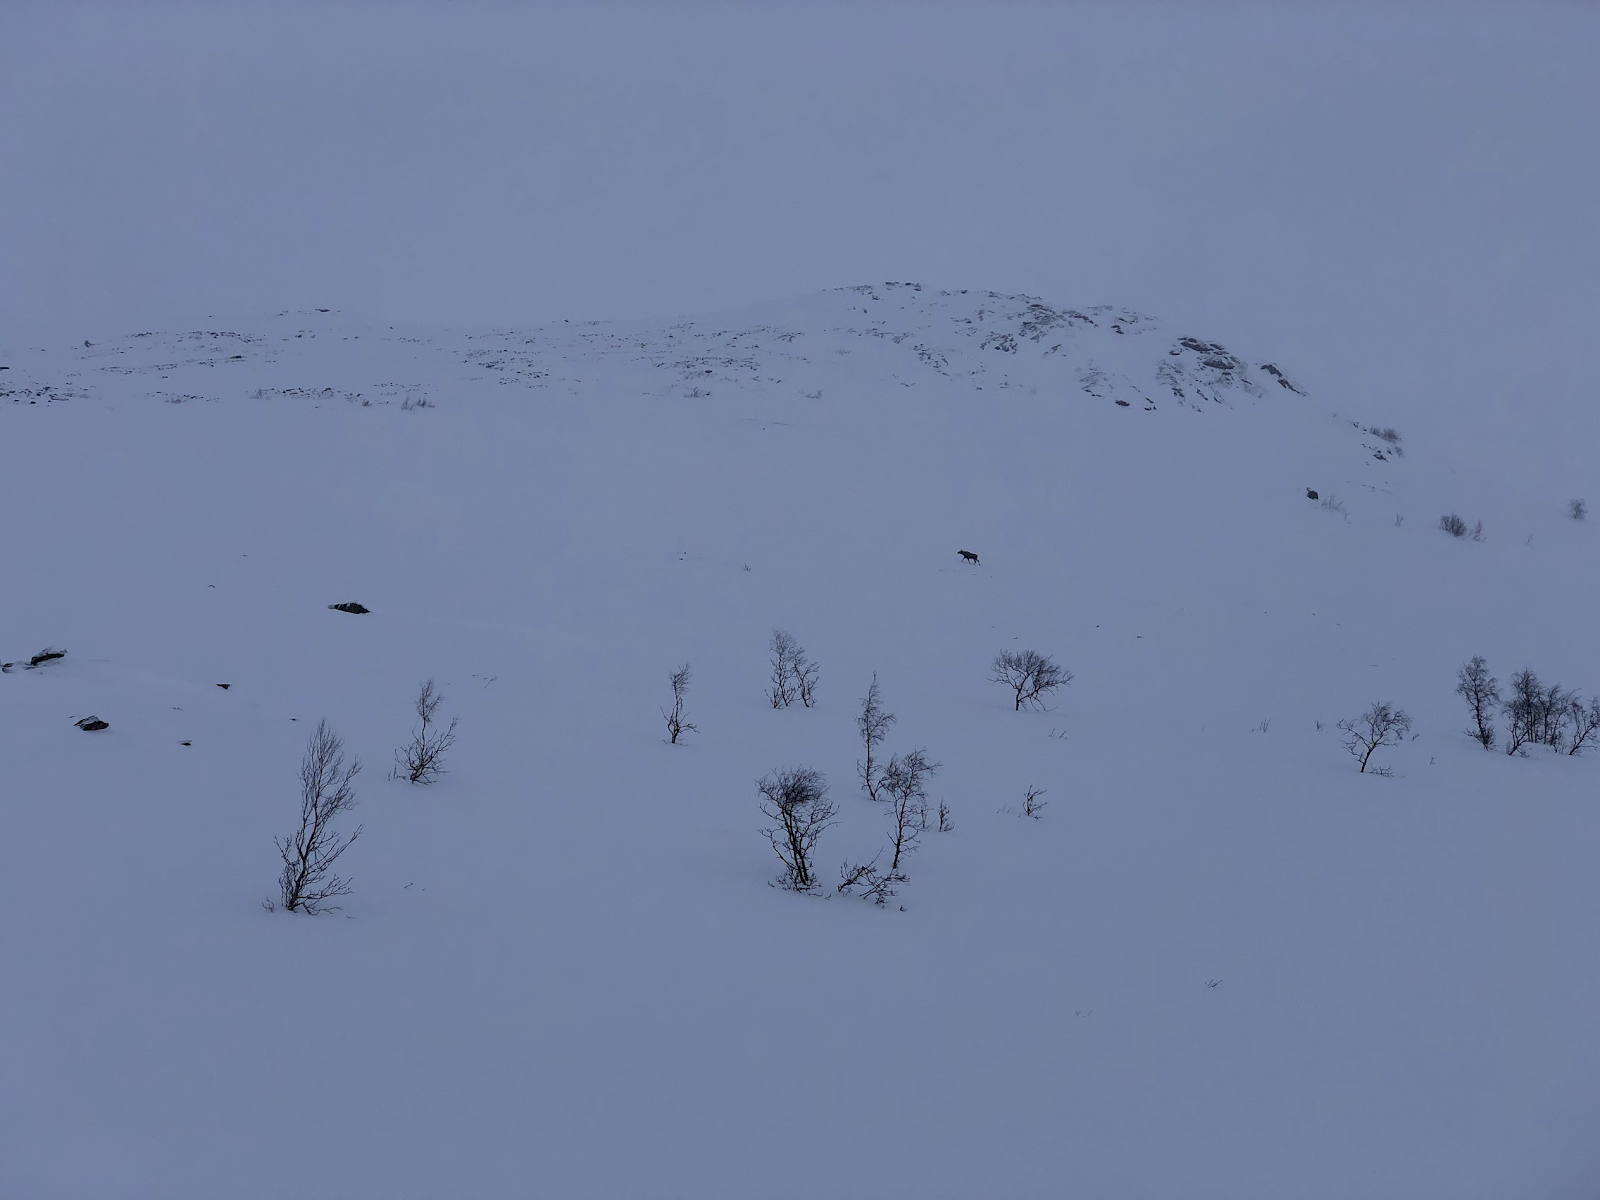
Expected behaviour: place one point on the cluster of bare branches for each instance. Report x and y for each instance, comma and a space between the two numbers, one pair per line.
307, 882
796, 801
1381, 725
1481, 691
1456, 526
794, 675
677, 724
1547, 715
869, 881
421, 760
873, 724
904, 784
1032, 806
1536, 714
1031, 676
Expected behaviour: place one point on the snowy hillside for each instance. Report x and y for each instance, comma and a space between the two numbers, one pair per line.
1220, 963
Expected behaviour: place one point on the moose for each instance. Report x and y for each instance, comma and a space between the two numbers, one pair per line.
967, 556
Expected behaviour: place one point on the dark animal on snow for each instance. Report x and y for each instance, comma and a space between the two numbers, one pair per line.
1310, 495
967, 556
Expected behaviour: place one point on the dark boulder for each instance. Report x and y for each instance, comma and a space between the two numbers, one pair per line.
350, 607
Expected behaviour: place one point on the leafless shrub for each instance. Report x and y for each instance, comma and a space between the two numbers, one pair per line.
873, 884
307, 882
1554, 709
945, 823
796, 801
411, 403
1456, 526
1381, 725
1481, 691
1032, 806
676, 724
873, 724
421, 759
1522, 710
805, 677
1333, 504
904, 782
1399, 520
1538, 714
794, 675
1390, 435
783, 649
1585, 721
1030, 675
1578, 510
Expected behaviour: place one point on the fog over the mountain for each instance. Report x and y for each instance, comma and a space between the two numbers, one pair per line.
1399, 199
1225, 368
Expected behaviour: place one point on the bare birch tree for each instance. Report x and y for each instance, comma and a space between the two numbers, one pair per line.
873, 724
421, 760
782, 648
307, 882
677, 725
794, 675
1031, 676
1381, 725
1481, 691
805, 677
904, 782
1585, 722
796, 801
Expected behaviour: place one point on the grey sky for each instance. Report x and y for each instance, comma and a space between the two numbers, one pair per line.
1401, 201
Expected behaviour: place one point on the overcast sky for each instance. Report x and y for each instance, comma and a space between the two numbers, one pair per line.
1399, 201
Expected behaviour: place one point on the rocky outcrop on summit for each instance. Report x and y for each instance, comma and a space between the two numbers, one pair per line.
907, 333
883, 335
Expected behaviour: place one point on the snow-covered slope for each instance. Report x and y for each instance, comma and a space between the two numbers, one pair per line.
1222, 963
